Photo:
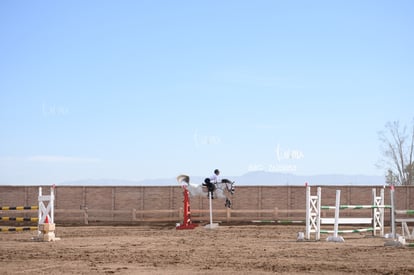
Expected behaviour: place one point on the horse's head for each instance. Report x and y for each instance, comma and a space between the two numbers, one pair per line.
229, 185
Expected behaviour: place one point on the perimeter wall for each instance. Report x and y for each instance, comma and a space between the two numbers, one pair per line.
139, 204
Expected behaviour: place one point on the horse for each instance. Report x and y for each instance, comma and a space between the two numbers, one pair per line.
223, 189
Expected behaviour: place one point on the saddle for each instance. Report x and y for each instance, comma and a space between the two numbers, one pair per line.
210, 186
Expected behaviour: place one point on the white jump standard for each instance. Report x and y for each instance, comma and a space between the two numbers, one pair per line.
314, 220
47, 216
406, 234
335, 237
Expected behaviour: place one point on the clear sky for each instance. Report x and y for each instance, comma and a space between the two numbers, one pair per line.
139, 90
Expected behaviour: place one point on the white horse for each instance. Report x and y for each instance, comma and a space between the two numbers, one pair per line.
223, 190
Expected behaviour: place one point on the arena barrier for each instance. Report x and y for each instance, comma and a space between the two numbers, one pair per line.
314, 220
45, 219
403, 220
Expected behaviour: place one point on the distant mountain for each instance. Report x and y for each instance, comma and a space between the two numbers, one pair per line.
251, 178
99, 182
269, 178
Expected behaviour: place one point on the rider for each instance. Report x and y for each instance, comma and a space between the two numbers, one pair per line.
210, 182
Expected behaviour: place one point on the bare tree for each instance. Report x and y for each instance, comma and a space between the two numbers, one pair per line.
398, 150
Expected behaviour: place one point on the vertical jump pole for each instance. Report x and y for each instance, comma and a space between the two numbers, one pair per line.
52, 204
211, 208
382, 210
337, 203
335, 237
308, 214
318, 216
374, 212
211, 225
393, 233
39, 213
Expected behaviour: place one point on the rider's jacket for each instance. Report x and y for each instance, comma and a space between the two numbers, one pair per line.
214, 178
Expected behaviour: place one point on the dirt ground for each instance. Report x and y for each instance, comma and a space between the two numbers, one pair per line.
228, 249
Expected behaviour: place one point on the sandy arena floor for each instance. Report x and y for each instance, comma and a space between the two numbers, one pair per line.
235, 249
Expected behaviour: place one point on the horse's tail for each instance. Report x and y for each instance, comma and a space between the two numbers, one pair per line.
183, 178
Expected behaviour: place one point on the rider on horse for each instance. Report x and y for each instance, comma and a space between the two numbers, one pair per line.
211, 182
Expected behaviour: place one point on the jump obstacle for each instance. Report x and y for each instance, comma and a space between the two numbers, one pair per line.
19, 219
406, 234
187, 223
314, 220
45, 219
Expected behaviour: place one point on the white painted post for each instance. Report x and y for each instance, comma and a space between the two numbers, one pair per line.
318, 215
46, 224
313, 214
337, 204
39, 211
211, 225
394, 236
308, 214
374, 212
52, 205
335, 237
46, 211
211, 208
382, 210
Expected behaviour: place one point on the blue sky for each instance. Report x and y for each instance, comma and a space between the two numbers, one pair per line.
151, 89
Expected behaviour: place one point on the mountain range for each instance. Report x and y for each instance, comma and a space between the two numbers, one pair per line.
251, 178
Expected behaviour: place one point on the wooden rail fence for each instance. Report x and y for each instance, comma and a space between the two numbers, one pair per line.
86, 216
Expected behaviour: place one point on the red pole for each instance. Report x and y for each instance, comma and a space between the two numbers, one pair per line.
187, 224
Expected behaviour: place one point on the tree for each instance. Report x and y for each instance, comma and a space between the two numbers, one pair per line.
398, 150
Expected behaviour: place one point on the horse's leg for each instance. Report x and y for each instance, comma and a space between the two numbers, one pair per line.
212, 191
228, 203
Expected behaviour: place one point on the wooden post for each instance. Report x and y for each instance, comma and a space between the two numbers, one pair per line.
134, 214
85, 216
228, 214
181, 214
276, 214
